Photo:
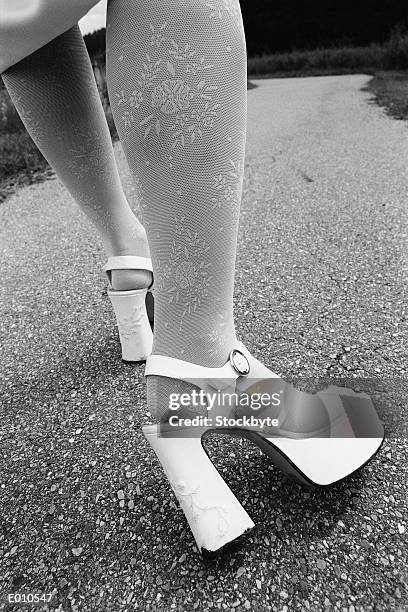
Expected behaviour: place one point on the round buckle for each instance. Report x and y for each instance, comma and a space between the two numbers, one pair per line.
239, 362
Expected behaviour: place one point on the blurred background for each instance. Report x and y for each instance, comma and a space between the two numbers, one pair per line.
285, 38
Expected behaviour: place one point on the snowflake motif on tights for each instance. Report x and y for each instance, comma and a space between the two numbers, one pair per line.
228, 187
140, 191
175, 88
225, 8
223, 320
37, 130
89, 155
157, 37
171, 96
185, 277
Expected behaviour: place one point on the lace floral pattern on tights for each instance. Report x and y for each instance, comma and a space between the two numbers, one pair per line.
181, 105
88, 155
185, 278
228, 186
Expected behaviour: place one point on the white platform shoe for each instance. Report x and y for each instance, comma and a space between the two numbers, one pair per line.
328, 446
134, 328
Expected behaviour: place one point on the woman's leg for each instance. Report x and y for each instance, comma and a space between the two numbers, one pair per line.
178, 88
55, 94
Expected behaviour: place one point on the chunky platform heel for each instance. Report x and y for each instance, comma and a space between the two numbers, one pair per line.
318, 438
134, 328
214, 514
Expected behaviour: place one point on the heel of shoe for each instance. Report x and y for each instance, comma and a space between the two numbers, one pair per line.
135, 333
215, 516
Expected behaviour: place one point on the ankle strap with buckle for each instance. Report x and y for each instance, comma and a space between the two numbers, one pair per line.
170, 367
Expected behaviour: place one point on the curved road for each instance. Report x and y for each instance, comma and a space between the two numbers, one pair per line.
321, 290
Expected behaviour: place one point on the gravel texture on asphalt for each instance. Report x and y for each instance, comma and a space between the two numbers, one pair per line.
321, 290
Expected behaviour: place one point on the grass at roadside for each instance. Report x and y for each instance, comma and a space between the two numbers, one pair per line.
318, 62
390, 55
21, 161
390, 91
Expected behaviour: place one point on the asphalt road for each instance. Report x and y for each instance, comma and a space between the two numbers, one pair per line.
321, 290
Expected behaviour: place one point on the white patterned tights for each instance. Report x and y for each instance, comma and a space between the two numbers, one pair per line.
177, 85
55, 94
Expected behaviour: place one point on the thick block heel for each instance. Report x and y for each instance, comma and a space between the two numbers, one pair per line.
215, 516
321, 439
135, 333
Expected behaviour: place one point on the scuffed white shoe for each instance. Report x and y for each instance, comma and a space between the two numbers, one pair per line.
320, 439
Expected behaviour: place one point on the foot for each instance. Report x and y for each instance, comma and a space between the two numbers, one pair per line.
136, 244
160, 389
125, 280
